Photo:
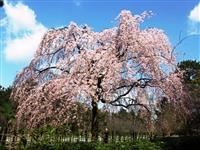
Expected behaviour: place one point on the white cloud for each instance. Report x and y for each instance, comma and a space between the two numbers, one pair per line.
195, 14
23, 32
194, 20
23, 48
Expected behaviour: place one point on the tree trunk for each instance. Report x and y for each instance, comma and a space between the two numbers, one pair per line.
94, 127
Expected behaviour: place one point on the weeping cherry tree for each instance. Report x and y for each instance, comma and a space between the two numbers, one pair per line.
121, 66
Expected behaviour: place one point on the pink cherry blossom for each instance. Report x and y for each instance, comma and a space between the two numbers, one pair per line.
121, 66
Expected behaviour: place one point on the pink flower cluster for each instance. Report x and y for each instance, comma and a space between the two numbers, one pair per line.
121, 66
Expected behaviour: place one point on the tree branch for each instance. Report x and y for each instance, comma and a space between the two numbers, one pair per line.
179, 42
133, 104
48, 68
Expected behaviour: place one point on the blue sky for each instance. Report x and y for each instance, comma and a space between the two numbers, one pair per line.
22, 23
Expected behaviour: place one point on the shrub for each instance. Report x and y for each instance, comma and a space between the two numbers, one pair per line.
146, 145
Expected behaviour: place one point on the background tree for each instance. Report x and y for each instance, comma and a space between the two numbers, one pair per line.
191, 75
119, 123
6, 112
169, 120
121, 66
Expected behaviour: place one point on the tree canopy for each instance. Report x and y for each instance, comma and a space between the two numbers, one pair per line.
122, 66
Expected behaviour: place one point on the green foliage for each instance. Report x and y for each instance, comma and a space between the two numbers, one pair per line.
166, 143
6, 113
47, 135
144, 145
6, 109
137, 145
2, 147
